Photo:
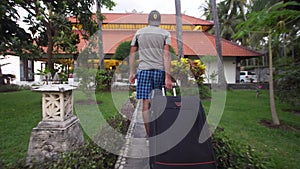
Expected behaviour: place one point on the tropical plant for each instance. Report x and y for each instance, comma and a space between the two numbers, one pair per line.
270, 22
237, 7
206, 8
184, 68
45, 74
227, 21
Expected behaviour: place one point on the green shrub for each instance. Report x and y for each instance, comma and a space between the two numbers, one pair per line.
122, 51
86, 78
204, 91
101, 78
90, 155
231, 154
9, 88
104, 79
287, 83
119, 123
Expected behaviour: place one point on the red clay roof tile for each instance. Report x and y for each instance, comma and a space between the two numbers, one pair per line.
195, 43
142, 18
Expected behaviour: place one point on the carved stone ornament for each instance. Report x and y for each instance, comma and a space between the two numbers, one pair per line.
60, 129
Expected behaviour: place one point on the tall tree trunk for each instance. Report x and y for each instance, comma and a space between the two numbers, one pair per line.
50, 44
284, 45
1, 79
221, 75
100, 36
49, 51
293, 49
271, 84
179, 29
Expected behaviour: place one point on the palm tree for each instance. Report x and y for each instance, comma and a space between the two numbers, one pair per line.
237, 7
221, 76
271, 83
179, 29
100, 36
206, 8
227, 23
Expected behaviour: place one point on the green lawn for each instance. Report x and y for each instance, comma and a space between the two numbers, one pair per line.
241, 118
21, 111
93, 116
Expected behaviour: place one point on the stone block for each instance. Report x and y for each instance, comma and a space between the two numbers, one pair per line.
48, 139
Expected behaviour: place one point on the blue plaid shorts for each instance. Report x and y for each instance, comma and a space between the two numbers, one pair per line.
148, 80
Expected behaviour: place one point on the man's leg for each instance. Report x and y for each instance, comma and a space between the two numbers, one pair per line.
146, 117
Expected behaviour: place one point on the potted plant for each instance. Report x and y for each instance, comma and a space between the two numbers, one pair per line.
46, 73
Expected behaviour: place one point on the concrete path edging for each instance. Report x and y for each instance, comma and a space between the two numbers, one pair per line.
134, 154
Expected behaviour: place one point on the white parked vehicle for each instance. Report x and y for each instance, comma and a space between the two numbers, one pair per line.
247, 77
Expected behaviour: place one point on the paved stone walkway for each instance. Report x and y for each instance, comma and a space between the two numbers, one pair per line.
135, 152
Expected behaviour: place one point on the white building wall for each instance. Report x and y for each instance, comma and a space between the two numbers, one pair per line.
211, 68
37, 66
229, 70
14, 68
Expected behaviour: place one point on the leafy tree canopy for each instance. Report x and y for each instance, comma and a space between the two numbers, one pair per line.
273, 19
122, 51
48, 24
12, 36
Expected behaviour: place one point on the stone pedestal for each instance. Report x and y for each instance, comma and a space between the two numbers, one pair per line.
59, 130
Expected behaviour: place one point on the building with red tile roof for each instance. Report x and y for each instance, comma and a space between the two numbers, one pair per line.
120, 27
197, 42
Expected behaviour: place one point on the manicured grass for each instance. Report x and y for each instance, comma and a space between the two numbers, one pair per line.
94, 116
241, 120
21, 111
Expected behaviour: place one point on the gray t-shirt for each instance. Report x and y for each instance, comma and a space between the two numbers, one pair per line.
150, 42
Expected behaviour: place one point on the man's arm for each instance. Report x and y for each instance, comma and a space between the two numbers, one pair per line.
133, 50
167, 64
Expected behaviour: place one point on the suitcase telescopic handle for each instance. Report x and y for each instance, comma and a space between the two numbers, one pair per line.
173, 89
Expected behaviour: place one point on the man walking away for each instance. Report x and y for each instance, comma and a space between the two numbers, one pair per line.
153, 46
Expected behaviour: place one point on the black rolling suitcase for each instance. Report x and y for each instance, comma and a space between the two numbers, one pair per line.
175, 127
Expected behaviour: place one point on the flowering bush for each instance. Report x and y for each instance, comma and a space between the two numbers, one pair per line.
185, 68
